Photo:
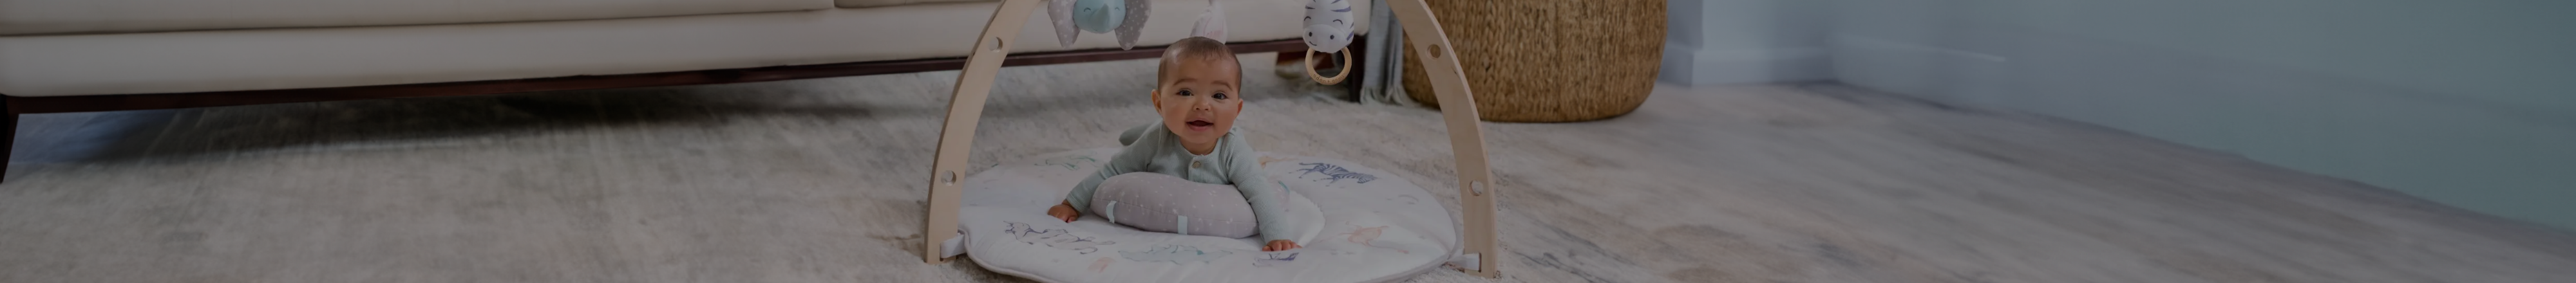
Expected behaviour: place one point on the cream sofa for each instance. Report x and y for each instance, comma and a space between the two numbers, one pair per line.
106, 47
97, 55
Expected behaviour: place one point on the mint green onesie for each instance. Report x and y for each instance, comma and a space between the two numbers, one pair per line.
1153, 148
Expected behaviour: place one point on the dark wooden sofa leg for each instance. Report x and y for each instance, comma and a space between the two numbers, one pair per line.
8, 134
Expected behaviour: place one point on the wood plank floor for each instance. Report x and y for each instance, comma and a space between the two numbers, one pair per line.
821, 181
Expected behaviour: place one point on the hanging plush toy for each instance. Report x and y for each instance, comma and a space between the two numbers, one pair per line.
1073, 17
1328, 30
1328, 26
1211, 22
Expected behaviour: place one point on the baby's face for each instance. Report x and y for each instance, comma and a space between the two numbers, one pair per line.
1199, 100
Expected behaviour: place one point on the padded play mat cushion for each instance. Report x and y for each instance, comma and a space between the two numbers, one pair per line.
1357, 225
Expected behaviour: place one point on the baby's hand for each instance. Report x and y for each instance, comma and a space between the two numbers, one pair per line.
1280, 245
1064, 211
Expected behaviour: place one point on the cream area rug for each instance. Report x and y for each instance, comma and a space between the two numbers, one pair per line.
822, 181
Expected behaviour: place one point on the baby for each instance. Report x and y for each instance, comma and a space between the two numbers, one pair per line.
1195, 92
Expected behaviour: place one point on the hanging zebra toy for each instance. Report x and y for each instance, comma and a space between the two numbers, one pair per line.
1328, 30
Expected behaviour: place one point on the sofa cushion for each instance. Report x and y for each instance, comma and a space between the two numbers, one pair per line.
104, 16
883, 3
224, 60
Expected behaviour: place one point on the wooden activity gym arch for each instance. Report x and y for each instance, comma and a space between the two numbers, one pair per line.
1466, 139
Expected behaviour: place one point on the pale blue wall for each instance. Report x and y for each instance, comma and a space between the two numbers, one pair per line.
2465, 102
1710, 42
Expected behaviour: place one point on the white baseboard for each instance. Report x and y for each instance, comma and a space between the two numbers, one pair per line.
1932, 72
1683, 64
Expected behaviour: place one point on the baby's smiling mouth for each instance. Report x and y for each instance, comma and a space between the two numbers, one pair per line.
1200, 123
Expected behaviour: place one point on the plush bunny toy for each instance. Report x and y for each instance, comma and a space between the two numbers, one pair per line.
1072, 17
1211, 22
1328, 30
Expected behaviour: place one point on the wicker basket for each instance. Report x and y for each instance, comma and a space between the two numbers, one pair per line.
1549, 61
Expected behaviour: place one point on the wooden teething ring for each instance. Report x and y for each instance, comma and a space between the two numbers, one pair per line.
1336, 78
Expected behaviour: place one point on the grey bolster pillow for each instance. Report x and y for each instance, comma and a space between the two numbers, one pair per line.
1163, 203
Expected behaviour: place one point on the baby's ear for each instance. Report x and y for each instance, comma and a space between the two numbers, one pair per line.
1157, 95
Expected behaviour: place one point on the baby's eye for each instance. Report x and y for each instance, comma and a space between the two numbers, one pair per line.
1219, 95
1182, 93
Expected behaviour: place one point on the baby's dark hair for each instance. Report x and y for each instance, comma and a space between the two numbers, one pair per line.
1197, 48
